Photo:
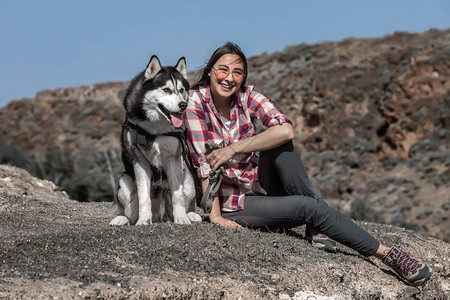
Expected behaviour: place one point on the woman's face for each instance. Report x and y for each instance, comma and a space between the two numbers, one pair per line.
226, 76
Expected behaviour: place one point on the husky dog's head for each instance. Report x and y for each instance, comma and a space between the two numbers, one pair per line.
159, 93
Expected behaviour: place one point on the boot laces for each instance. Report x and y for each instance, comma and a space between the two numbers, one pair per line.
406, 263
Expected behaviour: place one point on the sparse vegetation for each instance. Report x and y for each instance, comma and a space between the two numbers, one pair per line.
361, 210
10, 154
86, 179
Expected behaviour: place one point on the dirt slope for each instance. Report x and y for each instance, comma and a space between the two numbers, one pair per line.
55, 248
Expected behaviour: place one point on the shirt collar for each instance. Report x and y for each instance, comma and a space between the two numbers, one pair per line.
206, 91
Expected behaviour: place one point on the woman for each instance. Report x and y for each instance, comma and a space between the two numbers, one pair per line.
273, 190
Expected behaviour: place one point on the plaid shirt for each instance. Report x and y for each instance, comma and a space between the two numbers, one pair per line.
204, 122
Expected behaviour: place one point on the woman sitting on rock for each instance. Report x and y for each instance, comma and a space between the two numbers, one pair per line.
272, 190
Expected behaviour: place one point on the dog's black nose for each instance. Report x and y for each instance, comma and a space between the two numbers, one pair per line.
182, 105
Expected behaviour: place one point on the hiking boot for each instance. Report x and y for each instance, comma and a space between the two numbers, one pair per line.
319, 240
411, 270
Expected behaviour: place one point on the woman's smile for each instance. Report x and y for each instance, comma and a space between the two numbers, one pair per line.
226, 87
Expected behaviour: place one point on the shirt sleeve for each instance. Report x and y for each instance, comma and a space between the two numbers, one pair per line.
264, 109
196, 128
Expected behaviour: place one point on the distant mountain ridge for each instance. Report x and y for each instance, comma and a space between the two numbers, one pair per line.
371, 119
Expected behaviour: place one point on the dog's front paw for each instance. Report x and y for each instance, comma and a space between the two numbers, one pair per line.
194, 217
144, 222
119, 221
179, 215
183, 220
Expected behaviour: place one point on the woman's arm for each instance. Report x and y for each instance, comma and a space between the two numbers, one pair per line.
215, 215
266, 140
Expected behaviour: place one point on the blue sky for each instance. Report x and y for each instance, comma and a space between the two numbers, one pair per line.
51, 44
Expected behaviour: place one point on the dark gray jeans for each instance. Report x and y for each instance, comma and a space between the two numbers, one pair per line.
292, 201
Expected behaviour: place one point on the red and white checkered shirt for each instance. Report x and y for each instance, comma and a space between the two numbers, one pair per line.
204, 122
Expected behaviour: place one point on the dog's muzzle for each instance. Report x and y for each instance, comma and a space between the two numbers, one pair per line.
174, 117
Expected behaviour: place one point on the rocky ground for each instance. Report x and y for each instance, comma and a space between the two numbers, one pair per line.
52, 247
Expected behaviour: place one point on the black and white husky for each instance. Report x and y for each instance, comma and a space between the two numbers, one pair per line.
156, 185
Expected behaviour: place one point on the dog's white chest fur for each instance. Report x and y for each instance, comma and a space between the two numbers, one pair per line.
164, 148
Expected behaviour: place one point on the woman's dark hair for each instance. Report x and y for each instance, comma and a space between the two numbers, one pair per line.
228, 48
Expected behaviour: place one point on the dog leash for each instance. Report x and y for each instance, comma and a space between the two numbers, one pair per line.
215, 179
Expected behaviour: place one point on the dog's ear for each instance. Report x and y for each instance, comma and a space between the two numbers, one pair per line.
153, 67
181, 67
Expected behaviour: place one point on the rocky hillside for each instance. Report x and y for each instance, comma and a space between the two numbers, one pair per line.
52, 247
371, 119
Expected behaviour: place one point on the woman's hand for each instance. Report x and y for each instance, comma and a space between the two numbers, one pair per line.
220, 156
221, 221
266, 140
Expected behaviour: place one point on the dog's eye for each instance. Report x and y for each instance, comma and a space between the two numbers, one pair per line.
166, 90
181, 90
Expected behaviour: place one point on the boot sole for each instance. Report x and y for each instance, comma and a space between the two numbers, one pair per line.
423, 280
324, 247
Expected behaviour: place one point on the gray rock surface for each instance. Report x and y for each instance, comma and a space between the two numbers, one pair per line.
52, 247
